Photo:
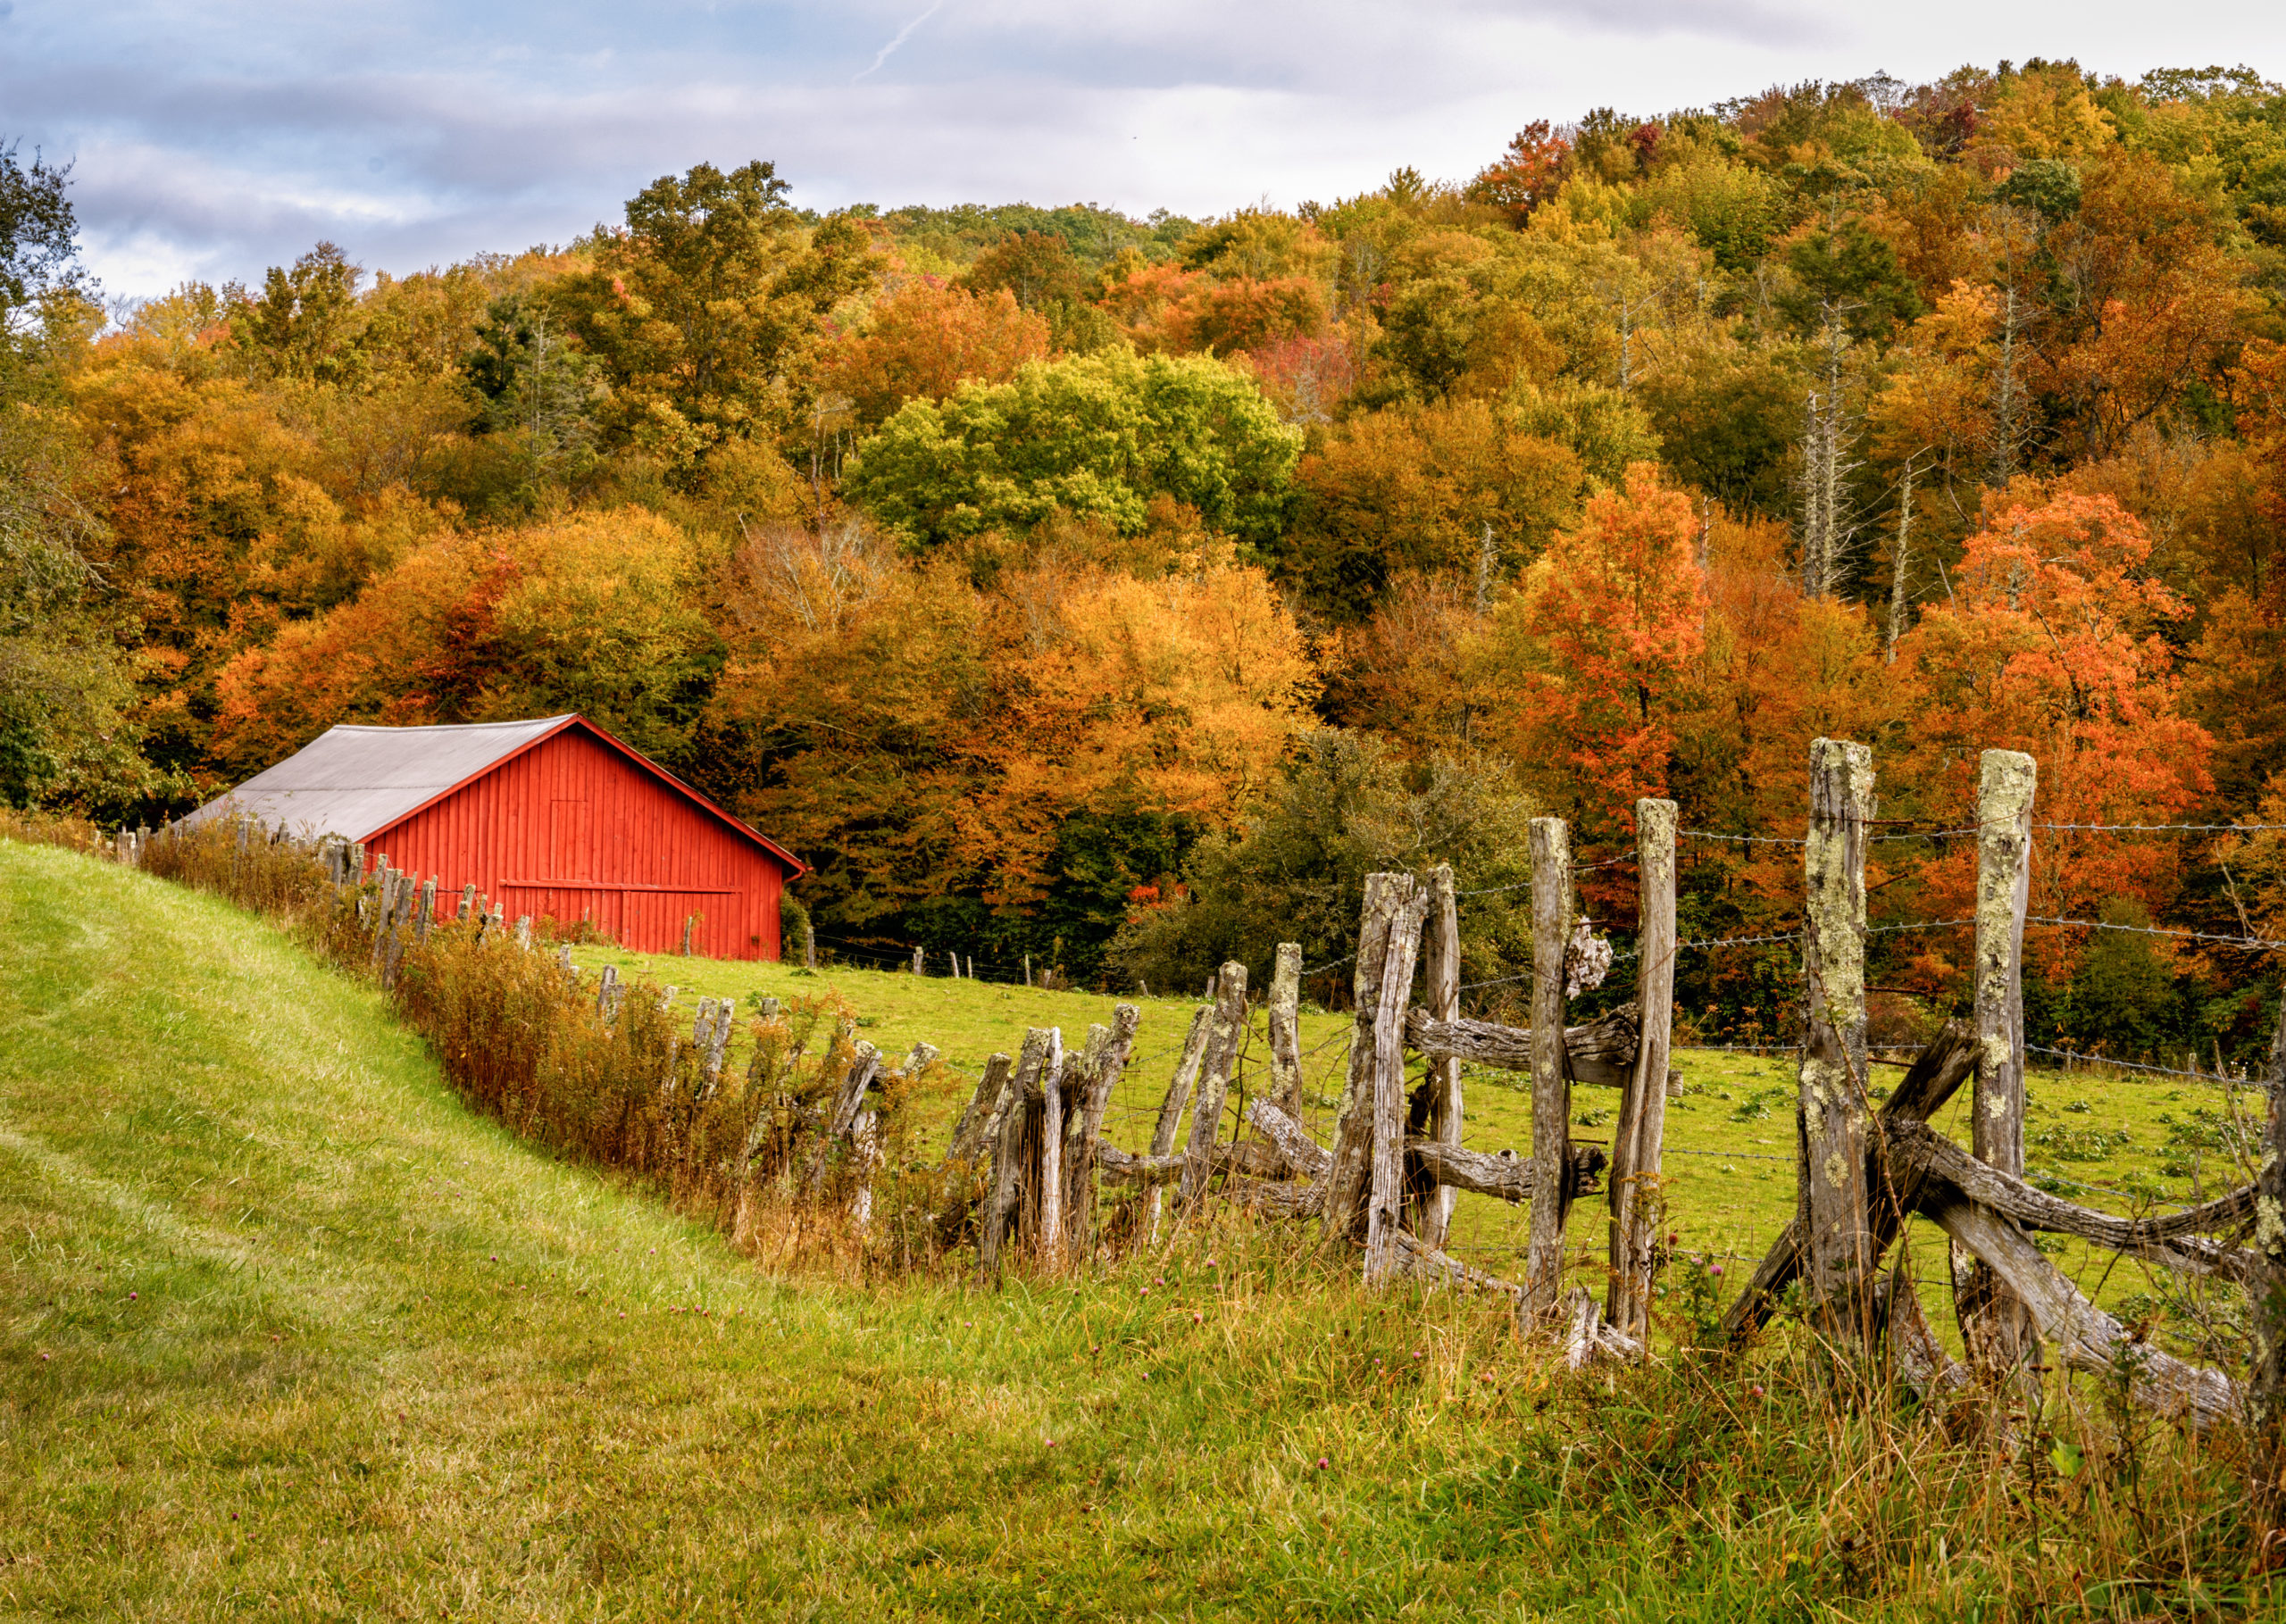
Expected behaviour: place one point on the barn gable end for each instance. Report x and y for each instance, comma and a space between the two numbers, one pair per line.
556, 820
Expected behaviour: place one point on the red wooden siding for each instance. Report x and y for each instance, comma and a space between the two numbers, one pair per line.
572, 829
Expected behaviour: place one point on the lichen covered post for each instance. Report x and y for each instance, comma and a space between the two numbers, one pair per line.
1285, 1029
1995, 1329
1353, 1142
1551, 853
1635, 1144
1385, 1194
1229, 1028
1440, 943
2266, 1389
1835, 1118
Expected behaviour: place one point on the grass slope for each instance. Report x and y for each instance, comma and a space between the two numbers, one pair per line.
286, 1332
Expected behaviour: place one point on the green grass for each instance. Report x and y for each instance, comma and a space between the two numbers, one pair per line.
1730, 1174
287, 1332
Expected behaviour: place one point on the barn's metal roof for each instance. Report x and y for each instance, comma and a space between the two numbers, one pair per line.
355, 781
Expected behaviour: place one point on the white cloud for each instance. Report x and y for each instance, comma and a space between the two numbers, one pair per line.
218, 139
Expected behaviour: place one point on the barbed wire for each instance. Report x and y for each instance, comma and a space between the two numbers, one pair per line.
2253, 944
2166, 828
1740, 941
1701, 833
1918, 925
2211, 1078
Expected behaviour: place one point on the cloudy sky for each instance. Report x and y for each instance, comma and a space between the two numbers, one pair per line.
211, 140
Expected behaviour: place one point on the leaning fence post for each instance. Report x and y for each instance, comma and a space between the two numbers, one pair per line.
1995, 1328
1834, 1116
1635, 1144
1551, 853
1179, 1087
1440, 941
1107, 1062
1353, 1145
1230, 1026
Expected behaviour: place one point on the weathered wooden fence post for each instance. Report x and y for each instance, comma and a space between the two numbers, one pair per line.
1286, 1030
1051, 1160
1007, 1153
809, 945
2266, 1384
1835, 1117
1105, 1063
1995, 1328
1635, 1144
917, 961
1385, 1196
1179, 1087
1353, 1145
1551, 853
1441, 978
1229, 1028
427, 909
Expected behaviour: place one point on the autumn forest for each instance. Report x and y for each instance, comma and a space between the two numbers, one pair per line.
1118, 592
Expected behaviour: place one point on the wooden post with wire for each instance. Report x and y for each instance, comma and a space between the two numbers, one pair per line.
1385, 1191
1440, 943
1636, 1206
1285, 1031
1835, 1120
1353, 1145
1997, 1330
1551, 853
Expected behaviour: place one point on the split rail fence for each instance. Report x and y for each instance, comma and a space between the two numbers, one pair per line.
1030, 1163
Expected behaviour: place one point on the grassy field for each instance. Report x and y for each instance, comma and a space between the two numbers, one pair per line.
286, 1332
2115, 1142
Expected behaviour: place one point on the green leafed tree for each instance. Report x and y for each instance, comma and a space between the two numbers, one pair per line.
1090, 436
702, 306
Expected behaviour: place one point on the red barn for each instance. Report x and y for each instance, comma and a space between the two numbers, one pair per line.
554, 817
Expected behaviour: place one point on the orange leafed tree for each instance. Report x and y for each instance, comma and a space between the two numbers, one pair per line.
925, 339
1596, 650
2054, 645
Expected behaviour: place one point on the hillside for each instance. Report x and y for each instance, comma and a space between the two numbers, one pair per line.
289, 1331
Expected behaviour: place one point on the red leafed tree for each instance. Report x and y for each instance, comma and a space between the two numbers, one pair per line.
1527, 173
